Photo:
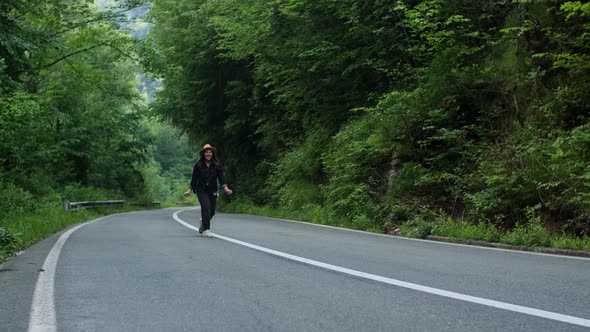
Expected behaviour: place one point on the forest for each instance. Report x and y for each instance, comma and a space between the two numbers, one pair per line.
449, 117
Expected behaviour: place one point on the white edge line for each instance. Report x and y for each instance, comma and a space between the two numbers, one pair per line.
458, 296
426, 241
42, 317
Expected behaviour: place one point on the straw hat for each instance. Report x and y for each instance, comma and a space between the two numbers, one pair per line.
207, 147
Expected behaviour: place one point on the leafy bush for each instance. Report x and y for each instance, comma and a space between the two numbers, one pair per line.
400, 213
295, 177
9, 243
529, 233
569, 242
353, 161
14, 200
296, 194
416, 228
77, 192
155, 186
450, 228
560, 172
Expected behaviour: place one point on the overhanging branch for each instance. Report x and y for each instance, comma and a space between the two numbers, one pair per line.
103, 17
86, 50
70, 55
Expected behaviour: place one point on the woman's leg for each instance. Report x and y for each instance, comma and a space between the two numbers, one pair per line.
205, 210
213, 201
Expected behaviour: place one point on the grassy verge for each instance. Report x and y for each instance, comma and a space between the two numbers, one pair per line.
18, 232
308, 213
532, 234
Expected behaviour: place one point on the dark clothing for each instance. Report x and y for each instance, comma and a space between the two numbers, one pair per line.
205, 178
204, 184
208, 202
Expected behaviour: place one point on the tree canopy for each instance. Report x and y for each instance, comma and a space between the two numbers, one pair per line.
70, 111
470, 109
370, 114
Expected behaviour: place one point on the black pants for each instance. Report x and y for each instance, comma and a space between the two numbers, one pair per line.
208, 202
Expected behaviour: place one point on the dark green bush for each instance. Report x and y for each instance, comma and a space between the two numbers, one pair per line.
14, 199
76, 192
8, 243
416, 228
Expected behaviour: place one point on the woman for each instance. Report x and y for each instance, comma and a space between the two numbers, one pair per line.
206, 172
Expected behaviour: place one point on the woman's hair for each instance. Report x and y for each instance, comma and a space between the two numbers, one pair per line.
214, 160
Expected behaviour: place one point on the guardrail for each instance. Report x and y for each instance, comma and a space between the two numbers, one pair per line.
72, 206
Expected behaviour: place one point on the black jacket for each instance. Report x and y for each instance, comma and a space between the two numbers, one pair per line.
205, 178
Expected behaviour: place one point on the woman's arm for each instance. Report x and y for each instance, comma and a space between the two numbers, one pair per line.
222, 181
193, 182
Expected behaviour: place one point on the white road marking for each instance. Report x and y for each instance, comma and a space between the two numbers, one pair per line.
458, 296
43, 308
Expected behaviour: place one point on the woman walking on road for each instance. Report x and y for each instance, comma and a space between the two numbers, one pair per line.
206, 172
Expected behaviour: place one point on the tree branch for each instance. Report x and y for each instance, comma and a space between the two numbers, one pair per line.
70, 55
125, 54
100, 18
86, 50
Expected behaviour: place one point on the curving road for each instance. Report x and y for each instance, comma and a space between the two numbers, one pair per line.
149, 271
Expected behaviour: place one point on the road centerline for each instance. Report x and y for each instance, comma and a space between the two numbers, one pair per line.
435, 291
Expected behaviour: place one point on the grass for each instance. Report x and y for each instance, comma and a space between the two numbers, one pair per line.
312, 213
20, 231
532, 234
248, 208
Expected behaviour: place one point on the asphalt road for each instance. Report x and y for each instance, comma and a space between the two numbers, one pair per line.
147, 271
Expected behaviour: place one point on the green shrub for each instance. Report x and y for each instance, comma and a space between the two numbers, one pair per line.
319, 215
560, 173
295, 194
9, 243
530, 232
77, 192
353, 161
416, 228
238, 205
463, 230
400, 213
15, 200
362, 222
301, 164
569, 242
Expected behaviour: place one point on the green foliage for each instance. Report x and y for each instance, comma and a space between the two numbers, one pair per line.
69, 106
531, 235
570, 242
296, 176
9, 243
482, 231
76, 192
379, 113
22, 125
560, 173
308, 212
357, 156
294, 195
14, 200
416, 228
